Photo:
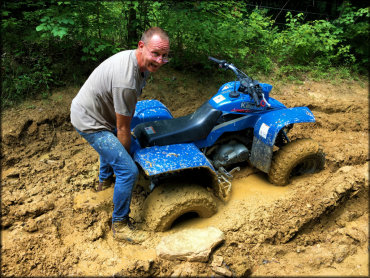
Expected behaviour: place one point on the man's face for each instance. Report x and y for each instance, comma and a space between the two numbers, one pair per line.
154, 53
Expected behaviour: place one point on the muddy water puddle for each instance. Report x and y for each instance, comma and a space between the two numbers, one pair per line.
253, 190
255, 186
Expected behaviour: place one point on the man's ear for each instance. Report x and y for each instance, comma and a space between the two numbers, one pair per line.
140, 45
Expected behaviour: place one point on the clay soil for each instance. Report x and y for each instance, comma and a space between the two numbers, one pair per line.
54, 223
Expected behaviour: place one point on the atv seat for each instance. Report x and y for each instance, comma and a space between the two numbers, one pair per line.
190, 128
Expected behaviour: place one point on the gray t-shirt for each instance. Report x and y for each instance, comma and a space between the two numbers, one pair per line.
113, 87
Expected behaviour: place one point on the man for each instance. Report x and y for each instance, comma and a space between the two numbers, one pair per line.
102, 111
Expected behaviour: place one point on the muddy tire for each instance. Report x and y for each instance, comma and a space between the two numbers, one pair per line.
301, 156
168, 202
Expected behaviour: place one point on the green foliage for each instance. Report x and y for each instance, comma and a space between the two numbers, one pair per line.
354, 35
25, 67
305, 43
23, 81
220, 29
322, 44
50, 43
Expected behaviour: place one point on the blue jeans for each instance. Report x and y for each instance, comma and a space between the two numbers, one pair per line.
115, 159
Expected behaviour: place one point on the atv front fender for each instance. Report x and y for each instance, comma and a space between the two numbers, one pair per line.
267, 128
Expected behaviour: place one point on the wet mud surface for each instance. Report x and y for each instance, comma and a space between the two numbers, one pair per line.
54, 223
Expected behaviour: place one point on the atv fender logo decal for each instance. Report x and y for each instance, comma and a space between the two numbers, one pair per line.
251, 106
264, 129
218, 98
241, 110
149, 130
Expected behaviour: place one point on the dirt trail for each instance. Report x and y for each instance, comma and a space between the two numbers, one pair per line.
53, 223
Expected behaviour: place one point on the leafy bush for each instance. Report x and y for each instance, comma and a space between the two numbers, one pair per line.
354, 34
305, 43
322, 44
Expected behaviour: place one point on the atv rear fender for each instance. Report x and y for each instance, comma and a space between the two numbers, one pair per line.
159, 161
150, 110
267, 128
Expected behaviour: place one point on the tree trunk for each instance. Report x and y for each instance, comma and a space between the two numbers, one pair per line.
132, 25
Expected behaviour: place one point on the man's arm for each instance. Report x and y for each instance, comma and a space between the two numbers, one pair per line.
123, 130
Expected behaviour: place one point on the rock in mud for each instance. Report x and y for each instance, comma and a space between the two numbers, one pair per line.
217, 261
222, 271
190, 245
217, 267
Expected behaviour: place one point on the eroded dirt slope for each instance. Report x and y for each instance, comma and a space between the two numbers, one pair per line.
53, 223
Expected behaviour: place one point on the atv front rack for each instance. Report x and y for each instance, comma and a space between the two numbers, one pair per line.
224, 180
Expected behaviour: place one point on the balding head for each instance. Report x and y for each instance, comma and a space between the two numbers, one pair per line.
148, 34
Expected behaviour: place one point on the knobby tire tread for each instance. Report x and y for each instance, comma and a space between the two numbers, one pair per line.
290, 155
168, 202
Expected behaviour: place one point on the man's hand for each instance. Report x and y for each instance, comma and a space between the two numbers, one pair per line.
123, 130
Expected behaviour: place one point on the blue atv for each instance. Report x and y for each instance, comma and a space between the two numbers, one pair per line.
188, 161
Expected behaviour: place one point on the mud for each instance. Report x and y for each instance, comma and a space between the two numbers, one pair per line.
54, 223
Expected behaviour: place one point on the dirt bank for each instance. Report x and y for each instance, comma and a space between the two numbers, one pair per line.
53, 223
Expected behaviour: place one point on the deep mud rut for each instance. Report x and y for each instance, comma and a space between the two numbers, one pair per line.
53, 223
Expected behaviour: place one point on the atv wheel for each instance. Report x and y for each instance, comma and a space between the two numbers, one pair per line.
302, 156
168, 202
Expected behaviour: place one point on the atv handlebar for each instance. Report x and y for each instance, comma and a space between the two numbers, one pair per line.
225, 65
220, 62
249, 86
